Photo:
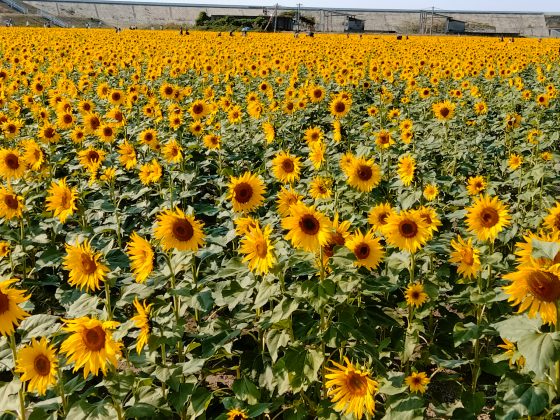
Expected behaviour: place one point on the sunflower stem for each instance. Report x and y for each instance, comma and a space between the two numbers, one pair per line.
21, 392
117, 218
557, 363
22, 235
176, 307
61, 391
108, 301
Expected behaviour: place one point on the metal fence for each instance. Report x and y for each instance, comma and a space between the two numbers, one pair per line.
53, 19
16, 6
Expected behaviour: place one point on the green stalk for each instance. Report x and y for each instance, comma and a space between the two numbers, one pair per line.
108, 301
21, 392
61, 391
21, 236
117, 218
176, 306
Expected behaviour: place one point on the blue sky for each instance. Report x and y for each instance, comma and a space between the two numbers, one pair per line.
496, 5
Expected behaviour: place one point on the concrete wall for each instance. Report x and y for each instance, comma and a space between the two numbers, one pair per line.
144, 14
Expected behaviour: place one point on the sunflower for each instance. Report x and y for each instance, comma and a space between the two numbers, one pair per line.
287, 197
407, 166
347, 162
511, 352
367, 249
377, 216
444, 111
212, 141
429, 215
536, 289
141, 257
313, 134
243, 225
515, 161
552, 220
317, 153
4, 248
339, 234
33, 155
150, 172
308, 228
198, 109
406, 230
339, 106
269, 132
86, 270
78, 135
258, 250
480, 108
11, 128
487, 217
172, 152
11, 204
142, 320
178, 230
149, 138
364, 175
12, 166
61, 200
475, 185
383, 139
91, 345
466, 256
415, 295
237, 414
127, 155
246, 192
337, 131
286, 168
430, 192
91, 122
91, 158
37, 364
352, 389
417, 382
320, 188
10, 313
316, 93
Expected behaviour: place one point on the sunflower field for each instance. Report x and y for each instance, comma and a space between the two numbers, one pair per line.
226, 227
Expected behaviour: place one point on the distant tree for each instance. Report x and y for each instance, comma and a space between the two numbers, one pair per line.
202, 19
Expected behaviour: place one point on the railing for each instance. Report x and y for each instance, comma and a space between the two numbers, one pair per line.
16, 6
53, 19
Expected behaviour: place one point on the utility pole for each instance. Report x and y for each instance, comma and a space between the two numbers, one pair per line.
275, 16
298, 15
432, 25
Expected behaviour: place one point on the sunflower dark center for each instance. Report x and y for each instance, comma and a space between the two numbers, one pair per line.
42, 365
94, 123
489, 217
383, 218
4, 303
88, 264
67, 118
11, 128
444, 112
148, 137
65, 200
93, 156
49, 132
261, 249
12, 161
239, 417
288, 165
94, 338
364, 172
544, 286
408, 228
116, 96
168, 90
356, 384
183, 230
243, 192
417, 380
317, 93
339, 107
107, 131
362, 251
415, 295
11, 201
383, 139
197, 109
309, 224
557, 221
468, 257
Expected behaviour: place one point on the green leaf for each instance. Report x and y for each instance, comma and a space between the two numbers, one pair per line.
540, 351
200, 400
517, 326
39, 326
83, 410
517, 397
276, 339
9, 396
544, 249
246, 390
463, 333
119, 385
